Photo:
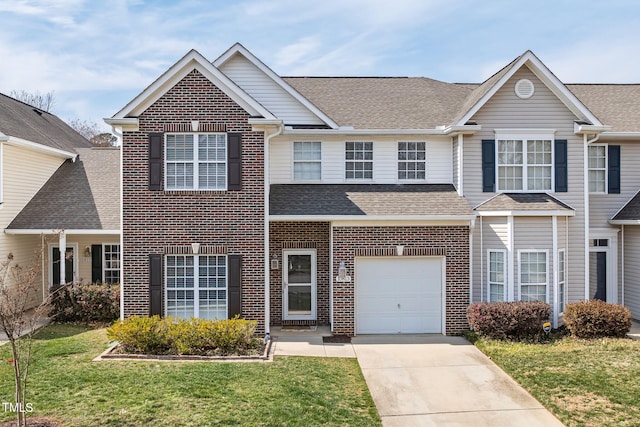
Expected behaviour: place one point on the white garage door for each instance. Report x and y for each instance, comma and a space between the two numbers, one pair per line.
398, 295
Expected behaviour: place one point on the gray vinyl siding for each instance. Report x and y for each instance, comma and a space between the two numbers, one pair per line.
494, 235
632, 269
542, 111
604, 206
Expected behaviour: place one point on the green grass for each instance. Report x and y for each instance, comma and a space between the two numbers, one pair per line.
65, 384
584, 383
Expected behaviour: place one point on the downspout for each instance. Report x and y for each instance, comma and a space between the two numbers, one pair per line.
44, 285
622, 262
267, 278
117, 131
472, 226
587, 226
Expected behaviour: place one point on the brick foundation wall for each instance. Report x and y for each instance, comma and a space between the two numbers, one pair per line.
450, 241
300, 235
155, 220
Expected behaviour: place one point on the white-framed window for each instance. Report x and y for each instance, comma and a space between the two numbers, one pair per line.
196, 161
412, 160
358, 160
196, 286
524, 163
561, 280
597, 168
497, 274
111, 263
534, 277
307, 160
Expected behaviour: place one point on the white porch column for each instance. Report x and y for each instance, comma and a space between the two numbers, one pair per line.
62, 246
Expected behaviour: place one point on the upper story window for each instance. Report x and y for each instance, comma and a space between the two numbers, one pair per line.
196, 161
524, 164
597, 168
412, 160
358, 160
307, 160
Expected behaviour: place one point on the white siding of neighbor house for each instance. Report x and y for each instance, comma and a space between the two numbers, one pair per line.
604, 206
542, 111
632, 269
24, 172
264, 90
385, 159
83, 273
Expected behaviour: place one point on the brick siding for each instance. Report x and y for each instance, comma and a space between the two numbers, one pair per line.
450, 241
292, 235
155, 220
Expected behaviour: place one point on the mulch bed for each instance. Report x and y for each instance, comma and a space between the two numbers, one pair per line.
339, 339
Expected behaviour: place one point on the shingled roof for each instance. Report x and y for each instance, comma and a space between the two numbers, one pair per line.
616, 105
80, 195
524, 202
384, 102
24, 121
629, 212
362, 200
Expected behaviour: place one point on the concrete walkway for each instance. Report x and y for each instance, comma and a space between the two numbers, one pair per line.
427, 380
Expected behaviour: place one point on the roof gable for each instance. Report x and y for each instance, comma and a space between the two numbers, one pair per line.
263, 84
486, 90
192, 60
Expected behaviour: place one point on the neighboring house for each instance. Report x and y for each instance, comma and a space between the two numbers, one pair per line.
59, 195
375, 205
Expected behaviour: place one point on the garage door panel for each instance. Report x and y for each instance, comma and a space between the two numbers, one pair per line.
398, 295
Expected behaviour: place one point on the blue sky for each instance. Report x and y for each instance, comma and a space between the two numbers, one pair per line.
96, 55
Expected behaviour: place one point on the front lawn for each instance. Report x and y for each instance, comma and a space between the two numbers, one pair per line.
65, 384
584, 383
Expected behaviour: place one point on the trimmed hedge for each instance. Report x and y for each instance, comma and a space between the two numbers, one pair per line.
509, 320
597, 319
85, 303
167, 335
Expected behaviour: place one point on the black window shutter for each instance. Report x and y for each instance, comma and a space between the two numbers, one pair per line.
488, 165
561, 166
56, 266
235, 288
96, 263
614, 169
155, 284
155, 161
234, 161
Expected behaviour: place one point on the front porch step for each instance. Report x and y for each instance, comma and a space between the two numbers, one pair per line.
299, 323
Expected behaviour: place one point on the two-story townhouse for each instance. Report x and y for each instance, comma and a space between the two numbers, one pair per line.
58, 194
374, 205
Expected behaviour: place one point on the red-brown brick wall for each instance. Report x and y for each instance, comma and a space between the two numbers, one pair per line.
153, 220
452, 241
300, 235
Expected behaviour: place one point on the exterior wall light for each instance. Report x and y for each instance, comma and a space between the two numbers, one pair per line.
342, 273
274, 262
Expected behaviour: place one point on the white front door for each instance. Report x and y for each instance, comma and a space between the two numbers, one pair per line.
299, 284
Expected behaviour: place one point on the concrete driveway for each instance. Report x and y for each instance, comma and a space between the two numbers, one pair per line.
433, 380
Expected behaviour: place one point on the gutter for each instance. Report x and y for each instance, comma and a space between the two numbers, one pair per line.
347, 130
16, 231
19, 142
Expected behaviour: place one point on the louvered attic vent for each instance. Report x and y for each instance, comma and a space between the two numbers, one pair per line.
524, 89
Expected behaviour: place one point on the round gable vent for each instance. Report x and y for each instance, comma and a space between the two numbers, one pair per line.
524, 89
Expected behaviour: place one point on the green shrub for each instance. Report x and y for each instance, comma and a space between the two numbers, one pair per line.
167, 335
83, 302
509, 320
596, 319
